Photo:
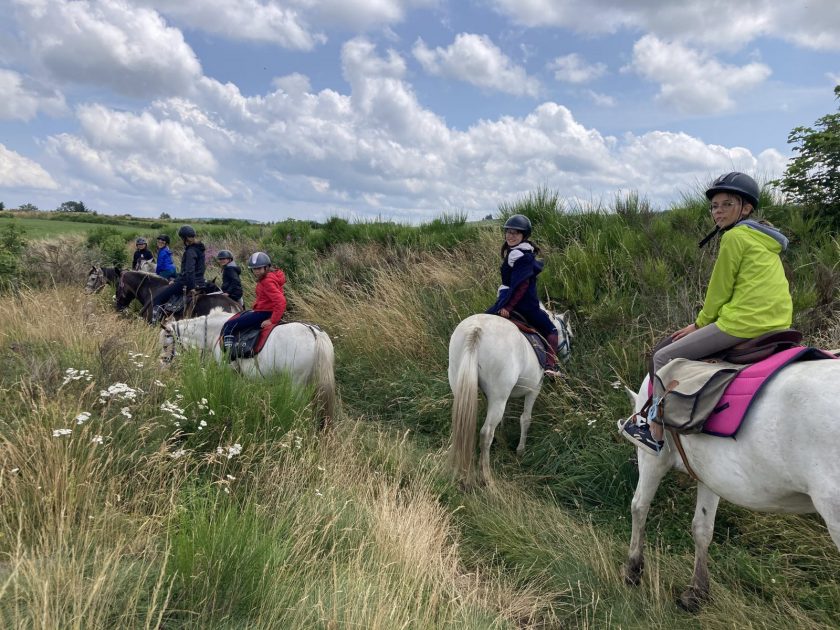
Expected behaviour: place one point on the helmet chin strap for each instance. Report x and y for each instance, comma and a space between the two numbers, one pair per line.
714, 232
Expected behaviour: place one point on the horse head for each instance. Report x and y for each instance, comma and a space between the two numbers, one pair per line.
169, 340
96, 280
564, 334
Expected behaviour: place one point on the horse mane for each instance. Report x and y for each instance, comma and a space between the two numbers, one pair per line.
217, 311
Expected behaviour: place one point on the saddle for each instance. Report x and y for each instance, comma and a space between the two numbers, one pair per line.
183, 302
537, 341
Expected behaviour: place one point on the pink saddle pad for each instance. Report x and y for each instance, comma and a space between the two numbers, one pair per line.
729, 413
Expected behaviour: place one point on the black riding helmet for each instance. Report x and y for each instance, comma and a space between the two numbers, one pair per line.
259, 259
224, 253
164, 238
186, 231
737, 183
519, 222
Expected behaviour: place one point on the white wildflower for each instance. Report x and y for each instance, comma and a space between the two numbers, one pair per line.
72, 374
203, 401
210, 412
202, 424
616, 384
227, 490
97, 439
61, 432
125, 411
118, 391
82, 417
159, 383
230, 451
174, 410
298, 441
177, 454
318, 493
230, 477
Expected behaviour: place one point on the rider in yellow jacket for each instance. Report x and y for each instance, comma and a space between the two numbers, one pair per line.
748, 294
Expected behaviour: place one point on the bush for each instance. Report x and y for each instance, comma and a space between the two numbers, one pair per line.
113, 250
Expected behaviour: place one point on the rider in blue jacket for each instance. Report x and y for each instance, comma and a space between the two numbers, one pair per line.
518, 292
165, 265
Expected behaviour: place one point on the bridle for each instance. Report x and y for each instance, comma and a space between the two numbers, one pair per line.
564, 347
175, 335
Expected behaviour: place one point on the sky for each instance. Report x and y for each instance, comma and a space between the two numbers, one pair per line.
399, 109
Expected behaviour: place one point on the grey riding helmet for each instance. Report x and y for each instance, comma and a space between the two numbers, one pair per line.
519, 222
224, 254
259, 259
140, 241
186, 231
737, 183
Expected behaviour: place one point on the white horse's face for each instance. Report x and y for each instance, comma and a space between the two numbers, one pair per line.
564, 334
95, 281
168, 344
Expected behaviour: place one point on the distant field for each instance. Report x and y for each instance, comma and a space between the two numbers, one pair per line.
44, 228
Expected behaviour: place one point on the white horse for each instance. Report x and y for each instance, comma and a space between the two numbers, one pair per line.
489, 352
786, 458
303, 351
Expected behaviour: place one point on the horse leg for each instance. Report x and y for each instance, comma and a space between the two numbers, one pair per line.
702, 528
651, 471
828, 506
525, 421
495, 412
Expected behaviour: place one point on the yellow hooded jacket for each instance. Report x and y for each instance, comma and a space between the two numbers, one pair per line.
748, 294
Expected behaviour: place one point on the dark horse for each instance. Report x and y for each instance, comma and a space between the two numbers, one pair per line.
98, 277
142, 286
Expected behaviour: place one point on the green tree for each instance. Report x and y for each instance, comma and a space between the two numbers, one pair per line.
164, 216
28, 207
2, 206
812, 177
72, 206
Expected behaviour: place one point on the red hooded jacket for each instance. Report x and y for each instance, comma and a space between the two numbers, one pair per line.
270, 296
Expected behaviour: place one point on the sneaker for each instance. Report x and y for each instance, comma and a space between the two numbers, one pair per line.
639, 435
551, 374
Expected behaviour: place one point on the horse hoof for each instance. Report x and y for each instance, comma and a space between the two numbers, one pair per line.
633, 573
692, 600
520, 452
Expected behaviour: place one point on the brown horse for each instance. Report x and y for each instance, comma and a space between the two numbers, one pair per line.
98, 277
141, 286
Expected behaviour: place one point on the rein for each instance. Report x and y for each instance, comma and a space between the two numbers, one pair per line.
567, 339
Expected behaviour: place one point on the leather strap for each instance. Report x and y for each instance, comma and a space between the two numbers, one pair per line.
678, 443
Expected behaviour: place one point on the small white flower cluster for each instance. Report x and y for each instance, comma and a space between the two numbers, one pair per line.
159, 383
82, 417
125, 411
61, 432
178, 454
72, 374
174, 410
97, 439
202, 424
118, 391
616, 384
137, 355
204, 407
230, 451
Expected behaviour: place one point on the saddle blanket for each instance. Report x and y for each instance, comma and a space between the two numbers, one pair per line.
729, 410
534, 338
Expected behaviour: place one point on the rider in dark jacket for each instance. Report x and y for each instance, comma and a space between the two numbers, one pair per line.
231, 284
141, 253
192, 271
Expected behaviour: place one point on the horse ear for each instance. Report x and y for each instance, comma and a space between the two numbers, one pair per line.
565, 315
631, 394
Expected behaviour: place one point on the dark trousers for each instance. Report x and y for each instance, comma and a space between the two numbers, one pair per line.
246, 320
162, 297
537, 318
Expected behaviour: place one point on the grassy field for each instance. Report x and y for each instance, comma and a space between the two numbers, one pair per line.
190, 498
45, 228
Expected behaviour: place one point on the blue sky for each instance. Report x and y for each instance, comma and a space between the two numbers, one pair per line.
402, 109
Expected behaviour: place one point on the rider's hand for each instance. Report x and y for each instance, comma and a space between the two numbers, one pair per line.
265, 323
682, 332
505, 313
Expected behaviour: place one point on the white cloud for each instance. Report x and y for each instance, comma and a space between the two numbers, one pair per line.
253, 20
107, 43
17, 171
132, 152
574, 69
601, 100
477, 60
22, 98
716, 23
691, 81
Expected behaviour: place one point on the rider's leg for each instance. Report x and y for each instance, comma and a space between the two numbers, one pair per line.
697, 345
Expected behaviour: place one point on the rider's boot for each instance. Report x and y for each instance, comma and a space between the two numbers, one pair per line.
636, 430
227, 342
551, 371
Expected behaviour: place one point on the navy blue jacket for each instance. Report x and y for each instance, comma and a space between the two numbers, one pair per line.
519, 265
231, 284
192, 266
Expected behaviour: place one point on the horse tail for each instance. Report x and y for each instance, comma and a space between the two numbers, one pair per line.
465, 405
323, 377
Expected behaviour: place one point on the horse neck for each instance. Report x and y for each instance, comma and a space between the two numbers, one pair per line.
200, 331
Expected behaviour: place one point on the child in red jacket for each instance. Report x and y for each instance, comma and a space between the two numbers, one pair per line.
270, 304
